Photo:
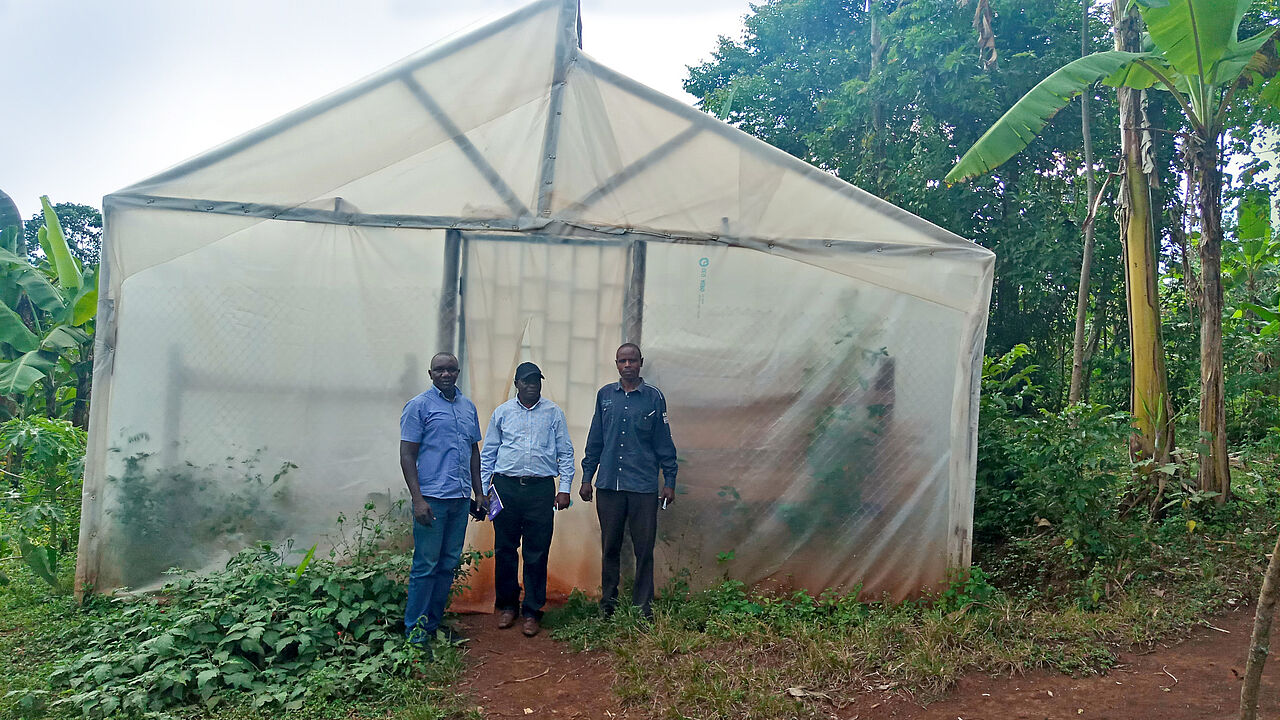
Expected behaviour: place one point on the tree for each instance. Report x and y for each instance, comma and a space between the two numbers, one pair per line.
1086, 262
46, 317
1198, 59
82, 226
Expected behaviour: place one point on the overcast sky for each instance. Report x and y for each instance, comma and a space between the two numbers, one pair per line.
99, 95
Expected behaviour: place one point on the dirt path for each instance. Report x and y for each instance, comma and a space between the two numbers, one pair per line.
1196, 679
512, 676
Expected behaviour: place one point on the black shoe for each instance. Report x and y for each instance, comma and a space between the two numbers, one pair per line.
606, 612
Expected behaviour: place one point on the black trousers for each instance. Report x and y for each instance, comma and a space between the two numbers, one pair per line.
525, 524
637, 513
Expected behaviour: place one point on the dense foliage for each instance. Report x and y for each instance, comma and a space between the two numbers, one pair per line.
40, 506
261, 633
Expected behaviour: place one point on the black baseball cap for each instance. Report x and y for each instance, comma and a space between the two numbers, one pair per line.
525, 369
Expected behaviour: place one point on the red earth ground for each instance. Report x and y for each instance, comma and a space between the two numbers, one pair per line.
1197, 678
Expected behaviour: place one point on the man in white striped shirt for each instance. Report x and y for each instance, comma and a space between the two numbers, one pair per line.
526, 446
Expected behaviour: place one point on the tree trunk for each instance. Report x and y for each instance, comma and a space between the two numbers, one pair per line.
1095, 334
877, 107
50, 396
84, 386
1149, 394
1259, 644
1215, 467
1086, 261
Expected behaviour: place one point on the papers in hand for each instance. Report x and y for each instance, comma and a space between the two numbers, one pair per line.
495, 503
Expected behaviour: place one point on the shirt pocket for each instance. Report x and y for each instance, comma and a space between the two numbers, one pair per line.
646, 423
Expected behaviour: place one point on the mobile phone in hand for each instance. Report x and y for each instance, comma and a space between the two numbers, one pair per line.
665, 502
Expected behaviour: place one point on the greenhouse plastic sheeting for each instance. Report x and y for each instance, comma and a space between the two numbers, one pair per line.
268, 307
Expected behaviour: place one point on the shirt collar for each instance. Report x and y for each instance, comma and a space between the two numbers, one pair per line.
520, 405
618, 386
456, 393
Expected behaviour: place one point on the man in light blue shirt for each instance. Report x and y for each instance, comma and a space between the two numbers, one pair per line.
526, 446
440, 459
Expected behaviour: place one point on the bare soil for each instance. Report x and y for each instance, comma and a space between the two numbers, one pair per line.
1197, 678
512, 676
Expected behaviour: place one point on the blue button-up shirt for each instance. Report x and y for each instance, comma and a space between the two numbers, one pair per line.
630, 439
445, 431
527, 442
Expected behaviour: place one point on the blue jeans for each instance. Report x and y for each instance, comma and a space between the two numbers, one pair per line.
437, 550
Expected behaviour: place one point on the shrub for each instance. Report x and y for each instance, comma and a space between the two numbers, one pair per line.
40, 506
261, 633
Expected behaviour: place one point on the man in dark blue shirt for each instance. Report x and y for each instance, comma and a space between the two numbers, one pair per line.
630, 439
440, 459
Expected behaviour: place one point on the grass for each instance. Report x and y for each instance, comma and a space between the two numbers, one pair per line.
725, 653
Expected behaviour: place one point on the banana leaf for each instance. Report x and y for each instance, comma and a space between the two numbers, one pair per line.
1195, 34
9, 215
10, 237
56, 246
1239, 57
43, 561
1020, 125
65, 338
18, 376
84, 306
15, 332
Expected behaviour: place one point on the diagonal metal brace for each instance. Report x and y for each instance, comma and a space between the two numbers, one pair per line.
468, 148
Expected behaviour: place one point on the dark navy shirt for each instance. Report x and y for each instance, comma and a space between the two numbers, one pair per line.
629, 440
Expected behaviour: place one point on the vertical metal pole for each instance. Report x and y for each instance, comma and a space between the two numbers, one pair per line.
633, 300
449, 289
461, 352
176, 385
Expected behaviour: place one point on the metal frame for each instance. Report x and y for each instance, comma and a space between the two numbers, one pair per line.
468, 148
568, 40
402, 70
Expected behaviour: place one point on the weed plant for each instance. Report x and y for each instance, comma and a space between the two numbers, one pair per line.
264, 637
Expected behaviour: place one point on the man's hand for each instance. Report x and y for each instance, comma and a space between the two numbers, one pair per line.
484, 503
584, 492
668, 494
562, 501
422, 512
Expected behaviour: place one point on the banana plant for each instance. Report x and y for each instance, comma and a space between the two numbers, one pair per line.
1192, 51
46, 311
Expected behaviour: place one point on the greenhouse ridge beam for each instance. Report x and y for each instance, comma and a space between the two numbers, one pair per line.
341, 97
566, 54
468, 148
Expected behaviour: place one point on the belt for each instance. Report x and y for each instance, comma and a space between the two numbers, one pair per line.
526, 479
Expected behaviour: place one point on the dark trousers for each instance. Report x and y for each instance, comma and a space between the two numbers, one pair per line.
525, 523
637, 513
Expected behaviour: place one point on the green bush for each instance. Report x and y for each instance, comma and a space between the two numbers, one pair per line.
40, 506
1062, 474
262, 633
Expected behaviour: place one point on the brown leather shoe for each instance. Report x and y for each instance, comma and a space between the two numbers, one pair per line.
506, 619
530, 627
